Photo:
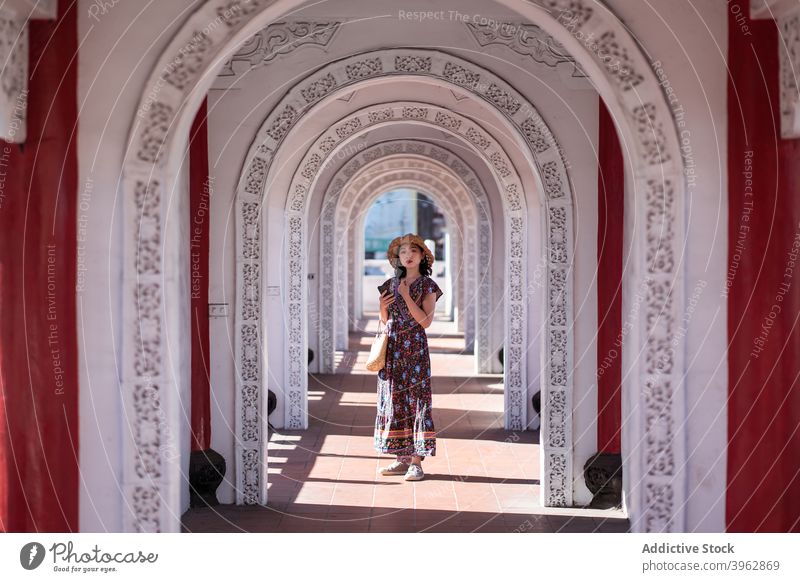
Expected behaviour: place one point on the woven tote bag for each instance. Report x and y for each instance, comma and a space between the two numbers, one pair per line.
377, 354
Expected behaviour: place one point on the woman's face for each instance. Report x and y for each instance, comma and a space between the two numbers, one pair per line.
410, 255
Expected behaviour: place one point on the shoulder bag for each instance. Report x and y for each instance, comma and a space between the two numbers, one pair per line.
377, 354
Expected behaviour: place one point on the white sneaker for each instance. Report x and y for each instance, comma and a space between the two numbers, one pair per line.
414, 473
396, 468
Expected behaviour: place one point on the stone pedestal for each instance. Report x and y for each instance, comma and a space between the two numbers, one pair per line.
206, 471
603, 475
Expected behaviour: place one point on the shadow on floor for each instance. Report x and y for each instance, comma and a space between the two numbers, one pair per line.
482, 478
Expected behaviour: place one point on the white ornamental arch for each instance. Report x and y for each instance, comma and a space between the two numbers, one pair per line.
459, 178
350, 298
429, 162
354, 243
514, 206
463, 235
349, 230
555, 192
654, 479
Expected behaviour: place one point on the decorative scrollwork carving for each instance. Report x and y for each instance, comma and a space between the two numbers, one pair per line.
364, 69
282, 124
503, 99
154, 133
190, 62
535, 134
278, 39
461, 76
256, 177
527, 40
146, 505
147, 431
660, 218
316, 90
651, 134
789, 58
13, 76
147, 361
413, 64
148, 227
660, 503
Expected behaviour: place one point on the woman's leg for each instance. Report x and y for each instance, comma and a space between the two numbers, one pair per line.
416, 460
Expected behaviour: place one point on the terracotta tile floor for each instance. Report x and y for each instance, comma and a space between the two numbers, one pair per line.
482, 478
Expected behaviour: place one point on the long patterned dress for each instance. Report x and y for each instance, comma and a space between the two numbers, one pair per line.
404, 424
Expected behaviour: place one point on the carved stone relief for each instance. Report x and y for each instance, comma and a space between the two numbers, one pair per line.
282, 38
13, 77
526, 39
789, 47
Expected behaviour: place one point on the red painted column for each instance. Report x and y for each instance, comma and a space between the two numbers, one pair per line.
200, 197
39, 470
611, 198
763, 288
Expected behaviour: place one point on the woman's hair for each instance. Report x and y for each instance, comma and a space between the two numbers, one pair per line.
424, 267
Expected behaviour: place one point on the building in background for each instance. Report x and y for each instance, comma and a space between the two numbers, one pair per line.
400, 211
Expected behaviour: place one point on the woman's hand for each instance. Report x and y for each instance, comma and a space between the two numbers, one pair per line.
404, 289
386, 300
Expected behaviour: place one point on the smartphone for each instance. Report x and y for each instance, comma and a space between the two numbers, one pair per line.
385, 288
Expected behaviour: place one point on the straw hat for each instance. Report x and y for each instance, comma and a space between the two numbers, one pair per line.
410, 237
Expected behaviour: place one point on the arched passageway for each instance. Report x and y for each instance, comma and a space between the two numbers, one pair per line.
411, 163
653, 481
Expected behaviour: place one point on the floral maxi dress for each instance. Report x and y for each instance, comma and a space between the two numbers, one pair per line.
404, 423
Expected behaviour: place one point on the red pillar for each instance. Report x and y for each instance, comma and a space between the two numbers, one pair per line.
38, 272
611, 198
200, 197
763, 278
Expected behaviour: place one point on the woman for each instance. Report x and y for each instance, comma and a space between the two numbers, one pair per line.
404, 424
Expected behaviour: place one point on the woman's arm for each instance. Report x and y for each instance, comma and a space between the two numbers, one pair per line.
384, 313
424, 314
